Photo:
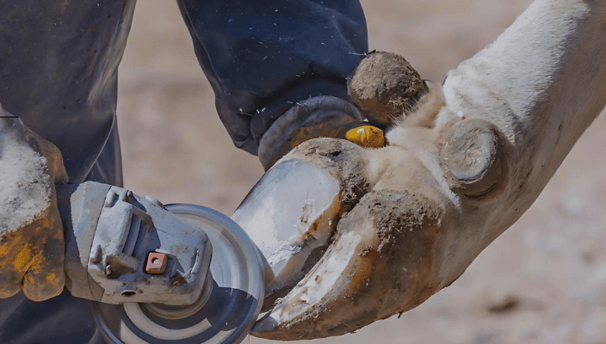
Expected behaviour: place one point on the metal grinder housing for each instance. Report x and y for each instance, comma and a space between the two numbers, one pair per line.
162, 274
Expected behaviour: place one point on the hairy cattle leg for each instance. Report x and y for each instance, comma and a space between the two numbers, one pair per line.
472, 161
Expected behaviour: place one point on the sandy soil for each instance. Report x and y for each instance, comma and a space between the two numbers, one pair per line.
542, 281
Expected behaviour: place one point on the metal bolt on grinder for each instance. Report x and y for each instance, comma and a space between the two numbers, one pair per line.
160, 274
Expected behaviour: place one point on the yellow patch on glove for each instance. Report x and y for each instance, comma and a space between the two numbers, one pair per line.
32, 246
366, 136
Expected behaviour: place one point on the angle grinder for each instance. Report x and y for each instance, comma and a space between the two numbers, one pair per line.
160, 274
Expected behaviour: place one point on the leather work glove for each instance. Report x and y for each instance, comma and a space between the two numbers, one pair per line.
31, 233
352, 235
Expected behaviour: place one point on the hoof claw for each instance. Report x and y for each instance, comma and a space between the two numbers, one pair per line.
472, 158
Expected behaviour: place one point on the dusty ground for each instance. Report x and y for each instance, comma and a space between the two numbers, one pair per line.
543, 281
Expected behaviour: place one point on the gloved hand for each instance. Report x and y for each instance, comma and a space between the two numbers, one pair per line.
31, 233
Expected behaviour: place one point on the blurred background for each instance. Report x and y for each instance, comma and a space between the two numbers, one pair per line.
542, 281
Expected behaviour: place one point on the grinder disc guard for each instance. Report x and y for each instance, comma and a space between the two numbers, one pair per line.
225, 312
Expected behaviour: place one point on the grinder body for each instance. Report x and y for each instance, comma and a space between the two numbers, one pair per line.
161, 274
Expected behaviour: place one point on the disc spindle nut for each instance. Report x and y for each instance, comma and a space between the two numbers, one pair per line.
156, 263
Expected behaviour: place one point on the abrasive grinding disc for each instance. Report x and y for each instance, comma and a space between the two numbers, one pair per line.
224, 313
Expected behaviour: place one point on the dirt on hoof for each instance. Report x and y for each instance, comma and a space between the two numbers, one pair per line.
383, 253
385, 86
344, 160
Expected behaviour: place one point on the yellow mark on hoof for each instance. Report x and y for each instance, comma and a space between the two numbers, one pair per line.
366, 136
